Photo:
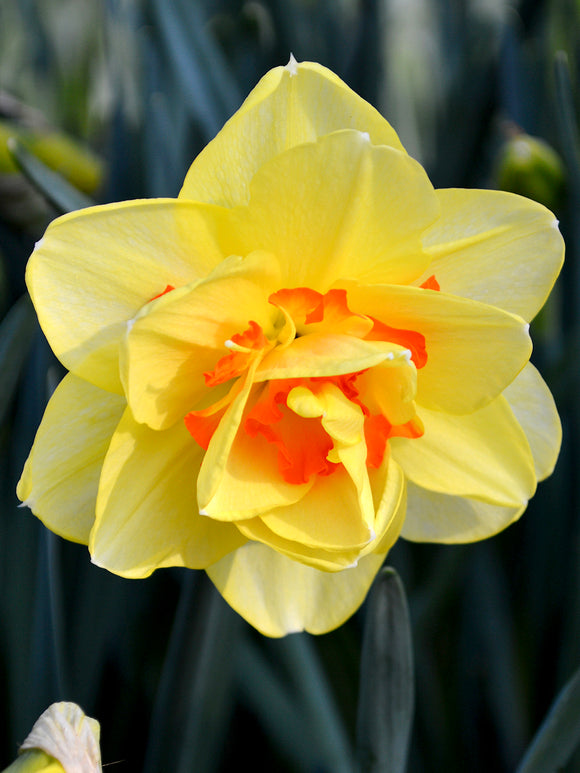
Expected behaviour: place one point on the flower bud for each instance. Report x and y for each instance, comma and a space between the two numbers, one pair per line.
63, 740
530, 167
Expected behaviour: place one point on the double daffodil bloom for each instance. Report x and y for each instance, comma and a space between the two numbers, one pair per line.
308, 353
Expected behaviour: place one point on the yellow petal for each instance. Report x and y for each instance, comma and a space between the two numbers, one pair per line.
436, 517
278, 595
311, 356
343, 420
289, 106
218, 452
390, 391
389, 489
534, 408
326, 560
474, 350
60, 479
251, 483
339, 207
183, 334
495, 247
327, 517
147, 515
95, 268
484, 455
308, 533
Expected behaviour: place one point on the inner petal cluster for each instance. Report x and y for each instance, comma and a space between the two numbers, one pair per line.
315, 422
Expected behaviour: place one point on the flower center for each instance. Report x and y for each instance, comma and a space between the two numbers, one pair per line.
311, 419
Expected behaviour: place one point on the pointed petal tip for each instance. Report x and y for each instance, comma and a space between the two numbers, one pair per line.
292, 66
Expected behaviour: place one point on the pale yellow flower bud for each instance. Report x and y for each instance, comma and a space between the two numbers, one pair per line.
63, 740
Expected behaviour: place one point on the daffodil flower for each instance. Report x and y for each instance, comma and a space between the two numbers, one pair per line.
305, 355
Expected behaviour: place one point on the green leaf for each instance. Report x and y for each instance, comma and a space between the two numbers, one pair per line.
294, 701
316, 701
566, 118
268, 696
61, 194
189, 724
199, 66
16, 332
386, 692
559, 733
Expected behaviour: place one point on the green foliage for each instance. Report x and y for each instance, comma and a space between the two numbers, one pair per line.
63, 196
386, 696
559, 734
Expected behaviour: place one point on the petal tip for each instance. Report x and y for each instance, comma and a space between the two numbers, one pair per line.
95, 562
292, 66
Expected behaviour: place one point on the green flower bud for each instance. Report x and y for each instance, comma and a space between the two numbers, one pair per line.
75, 162
530, 167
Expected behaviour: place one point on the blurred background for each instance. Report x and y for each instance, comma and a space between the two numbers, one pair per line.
117, 97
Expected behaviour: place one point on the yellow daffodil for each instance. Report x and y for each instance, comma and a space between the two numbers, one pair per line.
308, 353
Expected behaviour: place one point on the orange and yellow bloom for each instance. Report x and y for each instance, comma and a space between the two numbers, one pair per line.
307, 354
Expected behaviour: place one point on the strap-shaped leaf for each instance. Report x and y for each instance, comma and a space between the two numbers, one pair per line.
559, 733
16, 331
386, 693
61, 194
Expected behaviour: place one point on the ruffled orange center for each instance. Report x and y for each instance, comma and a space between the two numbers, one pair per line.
304, 446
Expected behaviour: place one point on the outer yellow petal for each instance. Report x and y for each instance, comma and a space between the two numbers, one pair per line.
534, 408
474, 350
60, 479
340, 207
183, 334
495, 247
278, 595
484, 455
435, 517
289, 106
95, 268
146, 509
